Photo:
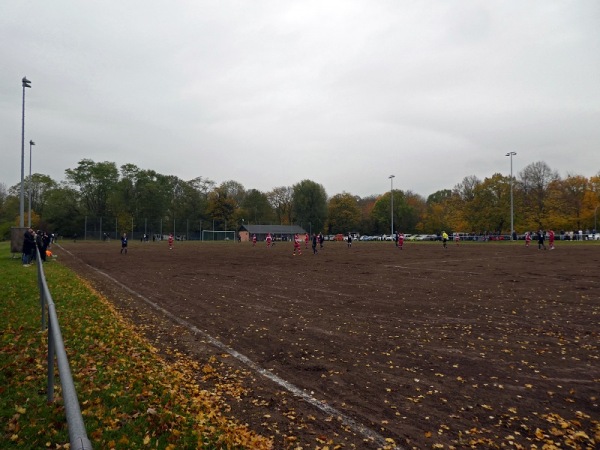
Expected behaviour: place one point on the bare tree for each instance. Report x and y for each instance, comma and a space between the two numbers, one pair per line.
466, 188
281, 201
535, 180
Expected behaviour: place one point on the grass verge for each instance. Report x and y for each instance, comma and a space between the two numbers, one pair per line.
129, 396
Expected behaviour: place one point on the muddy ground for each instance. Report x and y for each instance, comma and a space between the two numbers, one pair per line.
478, 345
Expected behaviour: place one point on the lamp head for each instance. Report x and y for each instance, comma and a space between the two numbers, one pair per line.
26, 82
31, 143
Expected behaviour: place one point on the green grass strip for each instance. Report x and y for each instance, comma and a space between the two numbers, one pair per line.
129, 396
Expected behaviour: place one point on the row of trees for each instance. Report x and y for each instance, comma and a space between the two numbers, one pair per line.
541, 199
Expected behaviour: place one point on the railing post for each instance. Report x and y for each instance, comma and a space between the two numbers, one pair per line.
41, 289
50, 390
77, 434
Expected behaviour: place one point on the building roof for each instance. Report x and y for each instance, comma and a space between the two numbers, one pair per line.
273, 229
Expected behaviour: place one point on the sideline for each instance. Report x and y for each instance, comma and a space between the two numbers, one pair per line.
321, 405
431, 270
470, 259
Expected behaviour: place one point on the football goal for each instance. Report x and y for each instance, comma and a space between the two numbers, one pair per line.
210, 235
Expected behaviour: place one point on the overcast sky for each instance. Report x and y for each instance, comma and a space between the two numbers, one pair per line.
269, 93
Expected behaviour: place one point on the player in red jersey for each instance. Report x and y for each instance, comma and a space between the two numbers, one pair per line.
400, 241
527, 239
551, 239
253, 240
456, 238
297, 245
170, 241
269, 240
306, 239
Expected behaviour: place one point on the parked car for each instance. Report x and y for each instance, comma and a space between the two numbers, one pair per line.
500, 237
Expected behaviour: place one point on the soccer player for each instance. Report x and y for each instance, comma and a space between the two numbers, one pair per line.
297, 245
445, 239
527, 239
349, 240
171, 241
124, 243
541, 237
314, 243
456, 238
400, 242
253, 240
551, 239
269, 240
306, 241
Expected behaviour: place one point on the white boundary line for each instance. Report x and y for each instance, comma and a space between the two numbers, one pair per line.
442, 261
324, 407
431, 270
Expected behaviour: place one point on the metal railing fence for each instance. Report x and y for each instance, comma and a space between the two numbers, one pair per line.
77, 435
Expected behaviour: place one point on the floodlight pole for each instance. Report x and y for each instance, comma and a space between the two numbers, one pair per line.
391, 177
512, 215
26, 84
29, 220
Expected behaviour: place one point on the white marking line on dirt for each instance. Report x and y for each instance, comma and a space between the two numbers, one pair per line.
450, 260
432, 270
343, 418
443, 261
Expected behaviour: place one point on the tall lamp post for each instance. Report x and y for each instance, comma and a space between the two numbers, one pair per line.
26, 84
29, 187
391, 177
512, 214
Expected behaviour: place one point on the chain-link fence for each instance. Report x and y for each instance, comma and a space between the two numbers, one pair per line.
106, 228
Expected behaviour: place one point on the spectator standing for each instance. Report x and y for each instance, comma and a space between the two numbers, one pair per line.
39, 241
45, 244
28, 246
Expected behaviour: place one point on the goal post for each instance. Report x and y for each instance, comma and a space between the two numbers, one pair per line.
210, 235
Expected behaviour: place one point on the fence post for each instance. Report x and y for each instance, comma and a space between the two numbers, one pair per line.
50, 389
42, 298
77, 435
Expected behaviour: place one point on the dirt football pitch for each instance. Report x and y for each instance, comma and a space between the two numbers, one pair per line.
481, 345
